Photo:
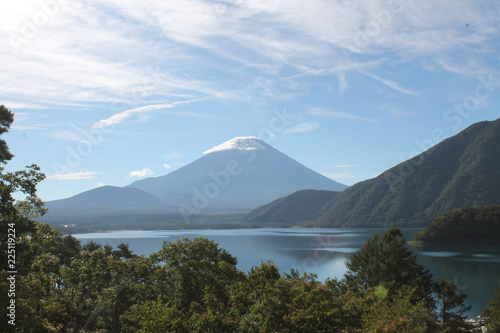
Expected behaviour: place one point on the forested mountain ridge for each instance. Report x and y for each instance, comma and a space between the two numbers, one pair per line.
461, 171
300, 206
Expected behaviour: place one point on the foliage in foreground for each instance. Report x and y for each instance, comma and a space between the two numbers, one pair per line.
194, 286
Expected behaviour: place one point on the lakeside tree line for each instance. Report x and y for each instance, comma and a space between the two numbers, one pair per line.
194, 285
469, 225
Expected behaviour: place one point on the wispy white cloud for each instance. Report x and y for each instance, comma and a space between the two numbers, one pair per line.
172, 156
19, 105
74, 175
396, 111
323, 112
197, 46
391, 84
337, 175
121, 116
28, 127
70, 136
145, 172
30, 120
340, 68
343, 166
103, 60
303, 127
25, 116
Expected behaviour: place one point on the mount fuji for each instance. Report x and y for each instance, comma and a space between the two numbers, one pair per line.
234, 177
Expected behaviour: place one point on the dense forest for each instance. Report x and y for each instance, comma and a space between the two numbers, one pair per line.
50, 282
471, 225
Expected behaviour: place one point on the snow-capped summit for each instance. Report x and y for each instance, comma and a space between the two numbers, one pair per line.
241, 143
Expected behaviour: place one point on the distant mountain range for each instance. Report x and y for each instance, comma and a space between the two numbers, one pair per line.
234, 177
461, 171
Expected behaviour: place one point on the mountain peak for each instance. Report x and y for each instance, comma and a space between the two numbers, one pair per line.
241, 143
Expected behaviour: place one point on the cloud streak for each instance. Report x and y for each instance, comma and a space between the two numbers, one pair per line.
337, 175
391, 84
124, 115
74, 175
303, 127
343, 166
327, 113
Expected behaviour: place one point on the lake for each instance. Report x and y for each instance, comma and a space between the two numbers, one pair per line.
324, 252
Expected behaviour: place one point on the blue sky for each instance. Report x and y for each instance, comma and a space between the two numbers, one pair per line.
107, 92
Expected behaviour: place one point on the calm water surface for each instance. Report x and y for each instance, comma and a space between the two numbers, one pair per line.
324, 252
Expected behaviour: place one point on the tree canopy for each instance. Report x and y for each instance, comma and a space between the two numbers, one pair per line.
6, 119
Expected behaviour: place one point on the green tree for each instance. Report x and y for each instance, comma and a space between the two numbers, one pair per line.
366, 266
20, 181
314, 307
156, 316
399, 313
101, 288
492, 312
42, 306
189, 269
16, 216
42, 303
6, 119
388, 262
450, 306
262, 300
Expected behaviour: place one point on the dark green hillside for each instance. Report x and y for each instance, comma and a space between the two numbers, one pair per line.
300, 206
471, 225
461, 171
